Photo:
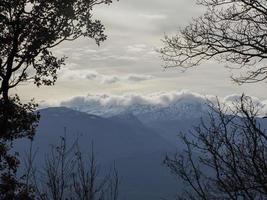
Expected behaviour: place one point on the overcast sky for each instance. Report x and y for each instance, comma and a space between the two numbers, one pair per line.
128, 63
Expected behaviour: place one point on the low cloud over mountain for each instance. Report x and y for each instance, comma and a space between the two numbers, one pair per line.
183, 102
134, 130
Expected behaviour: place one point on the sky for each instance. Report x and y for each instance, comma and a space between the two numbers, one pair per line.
127, 62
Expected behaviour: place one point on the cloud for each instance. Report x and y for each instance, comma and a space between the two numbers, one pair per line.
194, 103
236, 98
104, 104
136, 48
162, 99
110, 79
138, 77
233, 100
75, 75
130, 78
70, 75
153, 16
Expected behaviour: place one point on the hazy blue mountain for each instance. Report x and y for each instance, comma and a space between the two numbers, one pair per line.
136, 145
137, 149
171, 129
144, 177
113, 138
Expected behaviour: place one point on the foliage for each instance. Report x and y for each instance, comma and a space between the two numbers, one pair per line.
30, 29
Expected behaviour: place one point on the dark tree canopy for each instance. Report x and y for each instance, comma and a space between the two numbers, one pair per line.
29, 29
230, 31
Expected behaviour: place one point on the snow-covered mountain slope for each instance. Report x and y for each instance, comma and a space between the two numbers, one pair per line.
162, 107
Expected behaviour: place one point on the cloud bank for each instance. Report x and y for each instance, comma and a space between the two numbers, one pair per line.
182, 102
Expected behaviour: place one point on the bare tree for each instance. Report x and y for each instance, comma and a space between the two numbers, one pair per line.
230, 31
68, 175
86, 184
226, 157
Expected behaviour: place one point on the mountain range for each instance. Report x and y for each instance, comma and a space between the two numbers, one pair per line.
162, 107
136, 139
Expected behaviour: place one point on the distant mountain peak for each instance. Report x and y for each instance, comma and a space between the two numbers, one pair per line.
177, 110
162, 106
66, 112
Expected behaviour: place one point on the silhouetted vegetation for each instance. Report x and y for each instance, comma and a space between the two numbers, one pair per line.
230, 31
68, 174
225, 157
30, 29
